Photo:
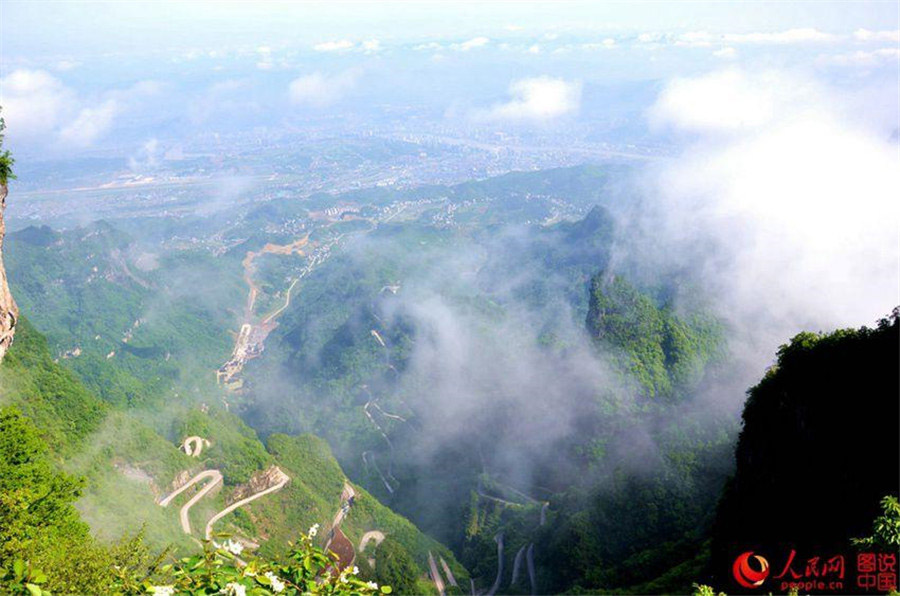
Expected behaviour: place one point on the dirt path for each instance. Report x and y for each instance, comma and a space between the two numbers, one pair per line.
283, 479
215, 479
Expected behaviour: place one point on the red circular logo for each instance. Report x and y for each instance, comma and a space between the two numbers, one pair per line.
745, 574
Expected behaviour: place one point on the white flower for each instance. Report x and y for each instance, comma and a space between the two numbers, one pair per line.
343, 579
234, 589
277, 584
372, 585
234, 547
313, 530
162, 590
354, 571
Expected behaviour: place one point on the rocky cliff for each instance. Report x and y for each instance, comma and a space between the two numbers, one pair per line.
9, 312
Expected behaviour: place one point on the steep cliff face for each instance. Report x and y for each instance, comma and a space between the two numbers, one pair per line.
818, 450
9, 312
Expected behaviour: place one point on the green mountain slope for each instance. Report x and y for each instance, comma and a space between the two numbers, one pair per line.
818, 450
127, 466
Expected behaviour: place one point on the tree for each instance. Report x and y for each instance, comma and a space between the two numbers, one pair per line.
38, 521
6, 161
395, 568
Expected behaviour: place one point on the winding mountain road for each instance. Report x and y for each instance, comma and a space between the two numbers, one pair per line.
496, 586
194, 445
215, 479
283, 479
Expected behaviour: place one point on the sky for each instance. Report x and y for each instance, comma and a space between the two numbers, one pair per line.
89, 76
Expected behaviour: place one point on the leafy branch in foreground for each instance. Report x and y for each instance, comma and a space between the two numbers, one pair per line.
220, 569
885, 528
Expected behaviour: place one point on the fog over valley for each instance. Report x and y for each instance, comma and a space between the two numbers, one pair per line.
508, 298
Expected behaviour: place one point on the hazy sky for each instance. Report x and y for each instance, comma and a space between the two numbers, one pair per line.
76, 75
42, 27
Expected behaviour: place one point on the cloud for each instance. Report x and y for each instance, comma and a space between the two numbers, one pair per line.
433, 45
866, 35
724, 101
862, 58
90, 124
40, 109
334, 46
803, 35
475, 42
34, 102
537, 99
785, 201
265, 58
64, 65
606, 44
371, 46
704, 39
319, 90
727, 53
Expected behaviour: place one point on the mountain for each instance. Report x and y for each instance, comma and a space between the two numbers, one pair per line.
818, 450
9, 312
128, 468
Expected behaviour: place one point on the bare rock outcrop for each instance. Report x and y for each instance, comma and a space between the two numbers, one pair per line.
9, 312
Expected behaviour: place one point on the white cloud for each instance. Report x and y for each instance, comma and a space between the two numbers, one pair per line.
705, 39
90, 124
318, 90
727, 52
863, 59
534, 49
64, 65
606, 44
802, 35
371, 46
471, 44
791, 215
866, 35
265, 58
334, 46
428, 46
721, 102
649, 37
537, 99
34, 102
39, 108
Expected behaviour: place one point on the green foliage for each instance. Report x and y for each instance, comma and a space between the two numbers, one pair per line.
49, 394
395, 568
6, 160
885, 528
218, 570
38, 522
665, 353
825, 413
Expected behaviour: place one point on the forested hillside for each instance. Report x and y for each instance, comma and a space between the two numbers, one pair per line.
818, 450
69, 456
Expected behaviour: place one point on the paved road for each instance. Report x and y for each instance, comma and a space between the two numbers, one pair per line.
194, 445
215, 479
283, 479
